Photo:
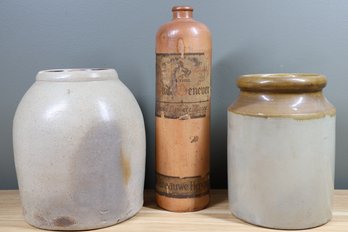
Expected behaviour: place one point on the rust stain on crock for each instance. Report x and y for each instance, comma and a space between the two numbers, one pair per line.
126, 169
64, 221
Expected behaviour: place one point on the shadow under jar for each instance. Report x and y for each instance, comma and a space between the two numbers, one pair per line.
281, 151
79, 146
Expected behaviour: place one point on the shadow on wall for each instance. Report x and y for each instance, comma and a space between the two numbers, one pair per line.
224, 92
149, 119
143, 88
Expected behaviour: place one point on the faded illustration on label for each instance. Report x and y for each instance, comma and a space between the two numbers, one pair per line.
182, 85
186, 187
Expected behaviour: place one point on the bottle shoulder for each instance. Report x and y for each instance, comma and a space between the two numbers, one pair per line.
181, 27
191, 34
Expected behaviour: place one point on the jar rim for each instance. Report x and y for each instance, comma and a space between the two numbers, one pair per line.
282, 82
77, 75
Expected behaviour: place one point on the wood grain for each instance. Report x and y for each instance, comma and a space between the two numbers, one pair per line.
215, 218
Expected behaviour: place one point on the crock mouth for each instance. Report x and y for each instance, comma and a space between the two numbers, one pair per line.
77, 74
282, 82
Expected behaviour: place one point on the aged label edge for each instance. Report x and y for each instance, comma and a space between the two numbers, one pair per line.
179, 54
183, 196
183, 103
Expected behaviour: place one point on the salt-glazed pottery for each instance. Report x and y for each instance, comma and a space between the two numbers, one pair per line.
183, 67
79, 146
281, 151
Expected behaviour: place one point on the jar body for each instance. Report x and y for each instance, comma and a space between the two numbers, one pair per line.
281, 157
183, 66
79, 151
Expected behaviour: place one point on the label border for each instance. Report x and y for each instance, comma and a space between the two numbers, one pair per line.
204, 103
183, 196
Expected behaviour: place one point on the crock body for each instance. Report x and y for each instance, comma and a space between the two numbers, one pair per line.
79, 146
281, 156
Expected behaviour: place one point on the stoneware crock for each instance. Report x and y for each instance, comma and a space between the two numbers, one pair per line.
281, 151
79, 146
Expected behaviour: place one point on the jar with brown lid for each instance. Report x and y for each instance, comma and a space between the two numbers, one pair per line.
183, 66
281, 151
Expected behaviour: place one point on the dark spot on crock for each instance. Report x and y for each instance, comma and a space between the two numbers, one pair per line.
64, 222
194, 139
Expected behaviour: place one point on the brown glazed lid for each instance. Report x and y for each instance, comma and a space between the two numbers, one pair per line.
285, 95
282, 82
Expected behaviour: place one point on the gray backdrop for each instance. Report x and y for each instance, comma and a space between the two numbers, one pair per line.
248, 37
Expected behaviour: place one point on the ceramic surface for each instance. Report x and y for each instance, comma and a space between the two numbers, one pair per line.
183, 67
281, 151
79, 146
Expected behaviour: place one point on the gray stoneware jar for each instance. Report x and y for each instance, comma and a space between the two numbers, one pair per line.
281, 151
79, 146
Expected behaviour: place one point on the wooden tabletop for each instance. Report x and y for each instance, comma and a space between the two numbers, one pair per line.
216, 217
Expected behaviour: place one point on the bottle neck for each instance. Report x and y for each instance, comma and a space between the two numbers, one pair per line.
182, 12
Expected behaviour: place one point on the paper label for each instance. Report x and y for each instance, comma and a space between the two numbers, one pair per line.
182, 85
186, 187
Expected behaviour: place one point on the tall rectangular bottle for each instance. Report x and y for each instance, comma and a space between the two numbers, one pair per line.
183, 75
